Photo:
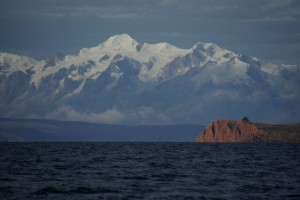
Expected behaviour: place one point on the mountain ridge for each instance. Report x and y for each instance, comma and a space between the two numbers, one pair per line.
123, 81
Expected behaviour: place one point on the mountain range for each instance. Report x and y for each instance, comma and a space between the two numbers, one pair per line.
122, 81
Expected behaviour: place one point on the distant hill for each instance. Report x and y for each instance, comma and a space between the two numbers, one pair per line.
245, 131
29, 130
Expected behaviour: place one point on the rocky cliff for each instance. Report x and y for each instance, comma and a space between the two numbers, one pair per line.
244, 131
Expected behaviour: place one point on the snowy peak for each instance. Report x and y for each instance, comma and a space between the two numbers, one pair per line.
164, 48
202, 45
113, 45
217, 55
10, 63
12, 59
210, 49
161, 61
123, 41
120, 38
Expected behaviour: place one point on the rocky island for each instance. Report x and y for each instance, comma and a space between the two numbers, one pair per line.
245, 131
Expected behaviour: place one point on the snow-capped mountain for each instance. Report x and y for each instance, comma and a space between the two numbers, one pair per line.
123, 81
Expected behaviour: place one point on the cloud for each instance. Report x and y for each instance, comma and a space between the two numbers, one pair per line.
141, 115
218, 7
111, 116
143, 9
65, 8
271, 4
47, 26
148, 115
274, 19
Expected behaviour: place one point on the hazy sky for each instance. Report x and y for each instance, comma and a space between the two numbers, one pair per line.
268, 29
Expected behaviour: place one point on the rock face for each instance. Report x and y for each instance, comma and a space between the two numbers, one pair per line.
228, 131
244, 131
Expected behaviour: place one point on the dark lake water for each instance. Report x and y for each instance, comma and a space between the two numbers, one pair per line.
149, 171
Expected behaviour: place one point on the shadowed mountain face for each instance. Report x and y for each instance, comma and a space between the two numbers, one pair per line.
245, 131
124, 82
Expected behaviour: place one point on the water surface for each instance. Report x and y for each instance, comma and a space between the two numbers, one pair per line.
149, 171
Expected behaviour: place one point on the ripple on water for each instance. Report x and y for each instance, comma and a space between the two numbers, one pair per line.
149, 171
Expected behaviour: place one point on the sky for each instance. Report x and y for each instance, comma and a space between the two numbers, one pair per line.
267, 29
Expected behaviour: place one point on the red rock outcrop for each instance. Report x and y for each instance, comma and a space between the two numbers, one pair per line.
244, 131
228, 131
